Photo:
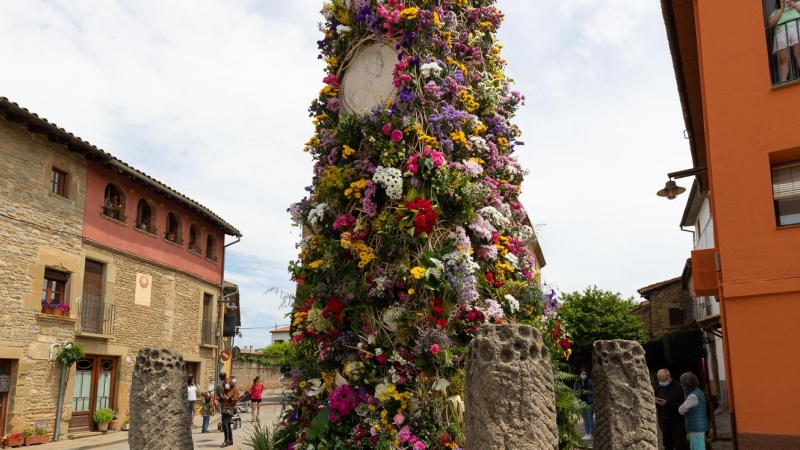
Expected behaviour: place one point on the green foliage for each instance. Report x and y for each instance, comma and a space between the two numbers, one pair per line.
70, 353
594, 315
103, 415
568, 410
279, 349
260, 439
684, 348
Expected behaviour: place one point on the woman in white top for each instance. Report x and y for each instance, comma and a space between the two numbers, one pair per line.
192, 399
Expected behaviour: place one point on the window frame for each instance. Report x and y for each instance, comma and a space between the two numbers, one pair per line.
150, 223
51, 278
58, 187
672, 323
778, 189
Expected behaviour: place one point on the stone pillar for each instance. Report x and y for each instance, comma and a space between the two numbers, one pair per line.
624, 403
159, 402
510, 402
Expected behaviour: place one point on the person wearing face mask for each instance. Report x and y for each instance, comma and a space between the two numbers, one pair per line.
669, 396
228, 399
584, 389
694, 411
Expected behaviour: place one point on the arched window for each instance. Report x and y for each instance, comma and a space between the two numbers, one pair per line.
146, 216
211, 247
114, 202
174, 231
194, 238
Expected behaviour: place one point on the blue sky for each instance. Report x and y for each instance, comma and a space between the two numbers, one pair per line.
210, 97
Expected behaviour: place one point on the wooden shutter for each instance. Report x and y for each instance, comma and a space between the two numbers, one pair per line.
93, 279
207, 306
704, 272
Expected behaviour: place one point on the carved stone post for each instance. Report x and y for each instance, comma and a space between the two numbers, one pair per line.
624, 403
509, 394
159, 402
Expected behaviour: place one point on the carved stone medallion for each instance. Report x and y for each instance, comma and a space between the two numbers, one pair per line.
367, 82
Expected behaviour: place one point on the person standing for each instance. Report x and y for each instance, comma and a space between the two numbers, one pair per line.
694, 411
229, 397
584, 389
669, 396
255, 391
192, 400
206, 410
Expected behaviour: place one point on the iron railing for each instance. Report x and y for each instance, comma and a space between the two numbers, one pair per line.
207, 332
95, 315
782, 42
195, 248
172, 237
145, 226
211, 257
113, 213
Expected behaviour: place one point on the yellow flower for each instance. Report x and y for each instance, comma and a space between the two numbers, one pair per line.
411, 291
409, 13
477, 160
315, 264
347, 151
436, 21
458, 136
303, 384
417, 272
502, 142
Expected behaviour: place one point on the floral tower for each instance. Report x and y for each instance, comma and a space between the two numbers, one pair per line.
414, 235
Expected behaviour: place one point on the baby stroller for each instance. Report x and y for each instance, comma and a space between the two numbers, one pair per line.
243, 406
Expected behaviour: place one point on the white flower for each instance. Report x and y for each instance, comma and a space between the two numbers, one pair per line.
430, 68
343, 29
478, 142
392, 181
513, 304
494, 216
524, 233
315, 215
512, 260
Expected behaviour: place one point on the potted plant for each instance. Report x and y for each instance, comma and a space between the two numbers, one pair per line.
70, 353
114, 425
102, 417
14, 440
63, 309
49, 308
127, 424
38, 436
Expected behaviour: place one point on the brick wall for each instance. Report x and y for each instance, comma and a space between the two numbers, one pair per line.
38, 229
246, 371
664, 298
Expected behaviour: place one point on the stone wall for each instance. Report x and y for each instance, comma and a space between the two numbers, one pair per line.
655, 316
38, 229
245, 371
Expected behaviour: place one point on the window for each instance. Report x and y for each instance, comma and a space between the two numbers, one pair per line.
782, 30
194, 238
675, 317
211, 247
114, 203
54, 292
207, 326
145, 216
174, 230
786, 193
58, 182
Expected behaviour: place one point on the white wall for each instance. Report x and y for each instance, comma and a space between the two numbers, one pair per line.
281, 336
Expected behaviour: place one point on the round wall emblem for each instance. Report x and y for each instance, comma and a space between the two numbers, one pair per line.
367, 82
144, 282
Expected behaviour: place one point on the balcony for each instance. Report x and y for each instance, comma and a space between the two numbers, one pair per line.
171, 236
784, 51
114, 213
95, 316
207, 332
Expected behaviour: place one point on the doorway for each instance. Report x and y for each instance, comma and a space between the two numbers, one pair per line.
95, 379
5, 384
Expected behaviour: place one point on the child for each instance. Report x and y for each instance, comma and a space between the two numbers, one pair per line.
206, 410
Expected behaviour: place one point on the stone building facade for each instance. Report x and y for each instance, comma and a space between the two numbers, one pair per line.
127, 285
667, 306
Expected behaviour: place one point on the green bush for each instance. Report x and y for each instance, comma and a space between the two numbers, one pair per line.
260, 439
103, 415
279, 349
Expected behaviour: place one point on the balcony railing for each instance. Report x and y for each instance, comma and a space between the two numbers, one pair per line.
145, 226
113, 212
207, 332
95, 316
173, 237
195, 248
783, 40
211, 257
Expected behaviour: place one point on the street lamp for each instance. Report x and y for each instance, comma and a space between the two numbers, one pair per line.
671, 189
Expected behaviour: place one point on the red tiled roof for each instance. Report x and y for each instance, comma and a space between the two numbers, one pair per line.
280, 330
647, 289
14, 112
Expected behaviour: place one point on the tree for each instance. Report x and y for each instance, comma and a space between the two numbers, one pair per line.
594, 315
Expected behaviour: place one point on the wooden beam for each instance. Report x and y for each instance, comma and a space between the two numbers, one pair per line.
76, 148
34, 128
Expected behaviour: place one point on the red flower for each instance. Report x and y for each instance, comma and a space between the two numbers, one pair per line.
441, 323
381, 358
565, 343
438, 310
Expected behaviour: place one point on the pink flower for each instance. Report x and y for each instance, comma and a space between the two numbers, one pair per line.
419, 445
381, 358
435, 349
438, 159
404, 434
387, 129
399, 419
397, 136
412, 164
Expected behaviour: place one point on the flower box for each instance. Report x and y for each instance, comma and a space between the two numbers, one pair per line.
50, 310
13, 441
33, 440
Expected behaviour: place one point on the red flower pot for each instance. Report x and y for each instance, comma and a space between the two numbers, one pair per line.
15, 442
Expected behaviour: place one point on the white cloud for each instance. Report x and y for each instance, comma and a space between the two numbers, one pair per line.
211, 98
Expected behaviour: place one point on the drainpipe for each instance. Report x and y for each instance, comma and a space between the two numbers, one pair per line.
61, 389
220, 313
